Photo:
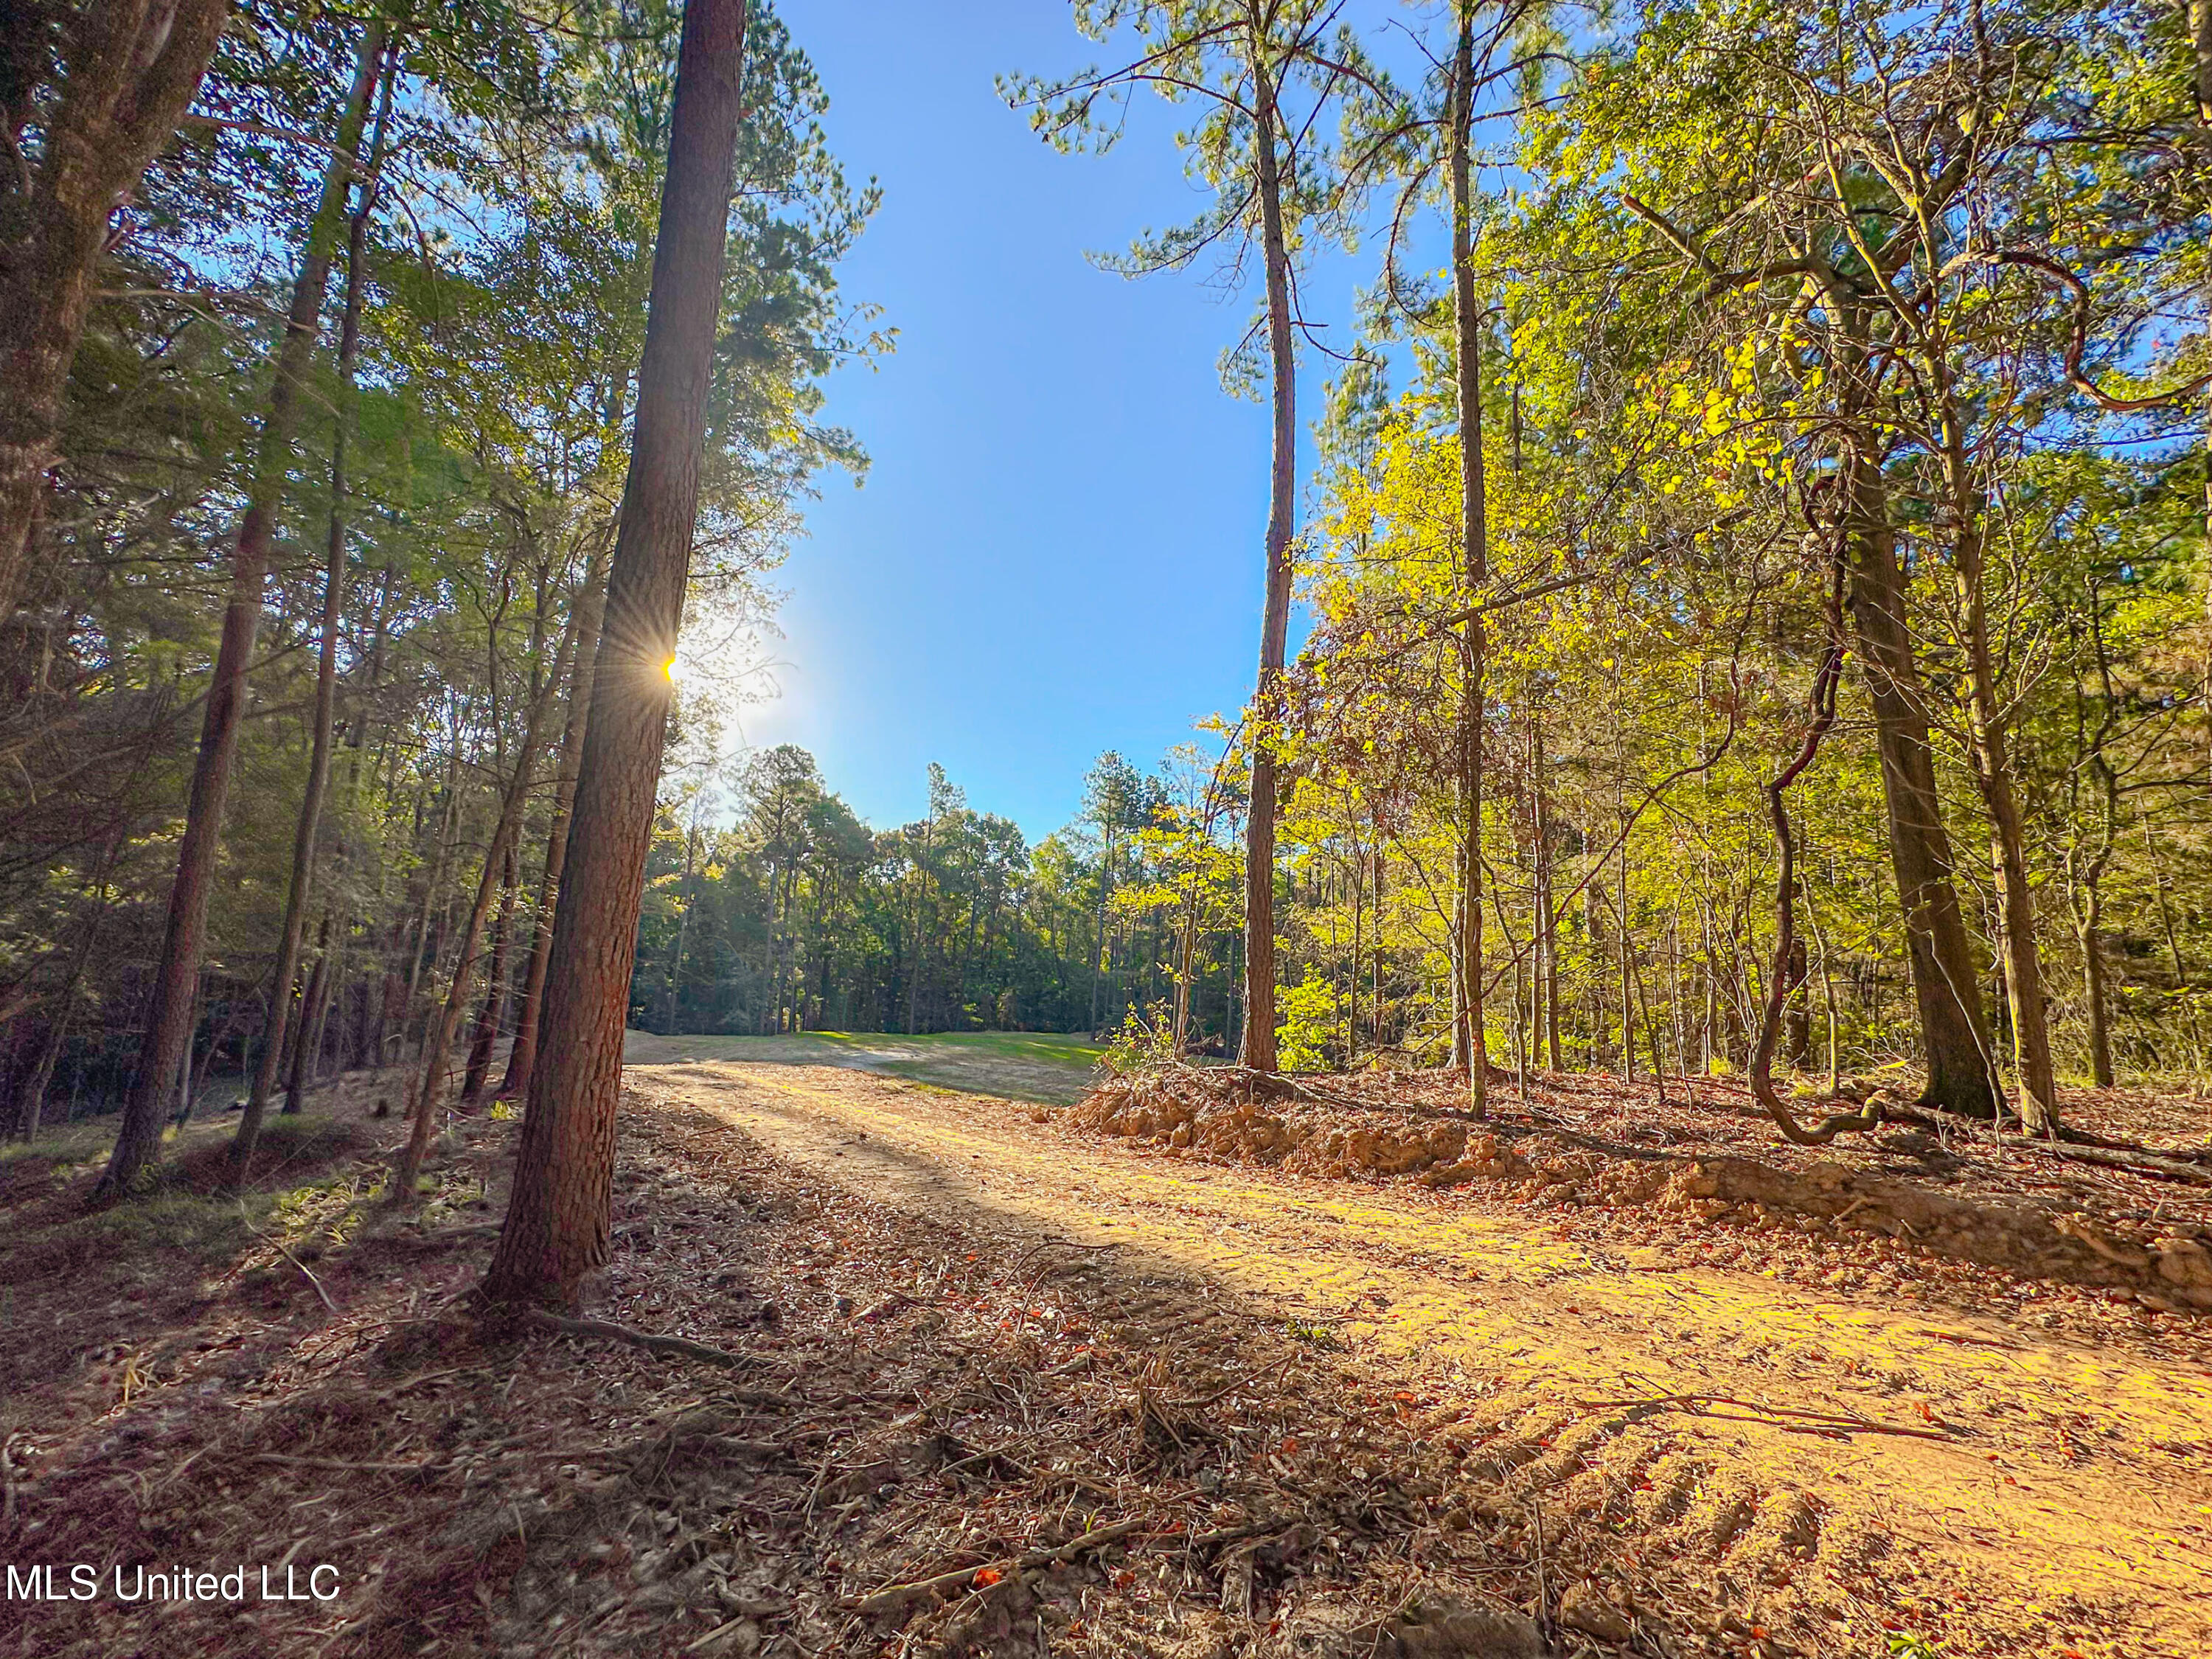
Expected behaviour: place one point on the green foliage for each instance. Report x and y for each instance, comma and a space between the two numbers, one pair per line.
1145, 1041
1953, 253
507, 258
1311, 1011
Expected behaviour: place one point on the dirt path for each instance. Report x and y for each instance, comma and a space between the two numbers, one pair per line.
2004, 1488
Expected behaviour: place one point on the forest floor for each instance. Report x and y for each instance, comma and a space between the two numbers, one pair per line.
1115, 1397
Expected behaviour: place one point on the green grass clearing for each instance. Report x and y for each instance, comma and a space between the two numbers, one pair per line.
1048, 1067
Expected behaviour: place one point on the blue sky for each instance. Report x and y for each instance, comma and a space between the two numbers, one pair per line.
1057, 551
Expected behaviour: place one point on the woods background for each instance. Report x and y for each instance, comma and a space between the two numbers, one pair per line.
1876, 331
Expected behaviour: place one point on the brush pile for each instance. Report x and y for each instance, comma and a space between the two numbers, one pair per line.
1707, 1161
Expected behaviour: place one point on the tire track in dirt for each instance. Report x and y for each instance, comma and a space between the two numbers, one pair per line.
2017, 1491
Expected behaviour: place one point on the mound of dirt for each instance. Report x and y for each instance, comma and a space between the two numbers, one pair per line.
1997, 1203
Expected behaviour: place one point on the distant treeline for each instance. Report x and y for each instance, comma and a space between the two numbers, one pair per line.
797, 916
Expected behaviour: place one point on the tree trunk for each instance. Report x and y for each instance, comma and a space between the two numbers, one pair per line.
42, 1074
591, 605
560, 1211
448, 830
2200, 41
2092, 976
1827, 991
2023, 966
168, 1028
1101, 958
438, 1041
1474, 543
1258, 1049
1627, 987
129, 70
1547, 924
307, 1045
1943, 979
1185, 941
493, 1009
282, 1013
683, 920
1797, 1015
920, 925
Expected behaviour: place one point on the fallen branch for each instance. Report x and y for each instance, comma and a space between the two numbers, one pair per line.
893, 1595
1830, 1422
278, 1245
2149, 1164
1290, 1085
679, 1346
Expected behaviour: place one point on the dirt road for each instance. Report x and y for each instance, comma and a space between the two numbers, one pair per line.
1997, 1487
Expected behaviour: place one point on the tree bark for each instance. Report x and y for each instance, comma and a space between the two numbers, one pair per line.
560, 1210
1943, 979
1822, 706
1474, 543
1257, 1050
1627, 987
168, 1029
283, 1014
128, 69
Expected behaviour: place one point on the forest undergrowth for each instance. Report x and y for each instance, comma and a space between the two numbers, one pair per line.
906, 1427
889, 1435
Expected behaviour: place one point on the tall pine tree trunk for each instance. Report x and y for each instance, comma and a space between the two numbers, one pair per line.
1474, 543
1258, 1046
285, 1016
168, 1027
561, 1207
